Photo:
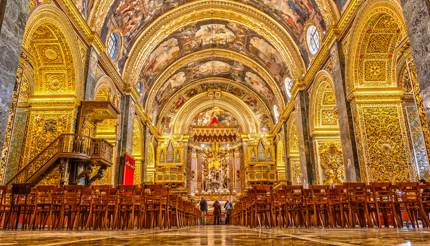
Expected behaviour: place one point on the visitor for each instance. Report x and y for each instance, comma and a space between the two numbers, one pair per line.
204, 210
228, 206
217, 212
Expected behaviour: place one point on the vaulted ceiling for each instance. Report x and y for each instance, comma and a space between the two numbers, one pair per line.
172, 51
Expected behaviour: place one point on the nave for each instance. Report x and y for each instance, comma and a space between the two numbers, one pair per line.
145, 115
221, 235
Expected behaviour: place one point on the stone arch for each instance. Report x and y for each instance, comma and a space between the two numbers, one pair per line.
323, 112
375, 36
280, 159
220, 54
293, 157
324, 126
55, 87
376, 99
235, 106
57, 58
138, 151
150, 163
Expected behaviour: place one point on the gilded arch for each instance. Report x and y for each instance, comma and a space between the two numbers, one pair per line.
199, 10
375, 36
215, 54
293, 155
324, 125
229, 102
56, 51
376, 99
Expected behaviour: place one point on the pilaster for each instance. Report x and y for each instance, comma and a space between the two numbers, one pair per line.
13, 18
347, 137
305, 140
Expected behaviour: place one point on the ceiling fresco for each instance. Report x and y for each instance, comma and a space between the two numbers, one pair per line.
171, 108
130, 17
214, 34
210, 67
214, 117
84, 7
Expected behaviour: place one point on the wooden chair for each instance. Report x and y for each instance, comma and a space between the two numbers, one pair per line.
318, 206
125, 213
138, 213
425, 202
408, 202
5, 199
70, 207
358, 211
381, 205
296, 207
338, 205
279, 207
21, 209
85, 209
156, 206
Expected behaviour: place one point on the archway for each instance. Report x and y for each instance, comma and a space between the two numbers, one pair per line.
381, 135
49, 85
324, 126
295, 167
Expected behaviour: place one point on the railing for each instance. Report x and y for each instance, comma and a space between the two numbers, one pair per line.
170, 175
64, 146
102, 151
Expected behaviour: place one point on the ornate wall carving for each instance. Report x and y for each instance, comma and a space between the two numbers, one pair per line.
330, 159
384, 145
324, 126
293, 156
43, 127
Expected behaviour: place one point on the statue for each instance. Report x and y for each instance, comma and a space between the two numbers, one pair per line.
332, 164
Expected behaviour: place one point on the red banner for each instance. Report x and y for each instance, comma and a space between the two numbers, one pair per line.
128, 170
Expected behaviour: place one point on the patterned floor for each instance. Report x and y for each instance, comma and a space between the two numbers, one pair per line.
220, 235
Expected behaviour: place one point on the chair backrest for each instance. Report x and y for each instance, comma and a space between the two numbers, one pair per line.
319, 193
425, 192
382, 191
357, 192
406, 192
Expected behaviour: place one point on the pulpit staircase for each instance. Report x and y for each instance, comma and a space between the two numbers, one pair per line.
64, 147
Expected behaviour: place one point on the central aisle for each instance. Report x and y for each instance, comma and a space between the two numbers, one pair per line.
219, 235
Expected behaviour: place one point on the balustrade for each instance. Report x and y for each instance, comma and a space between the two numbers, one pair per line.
65, 146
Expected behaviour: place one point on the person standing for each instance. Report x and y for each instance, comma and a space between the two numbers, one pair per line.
204, 210
217, 212
228, 206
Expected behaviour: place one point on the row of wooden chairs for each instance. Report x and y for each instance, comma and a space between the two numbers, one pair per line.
96, 208
348, 205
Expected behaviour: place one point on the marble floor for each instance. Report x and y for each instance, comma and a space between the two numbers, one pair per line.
220, 235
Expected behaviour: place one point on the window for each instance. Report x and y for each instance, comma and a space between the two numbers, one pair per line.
288, 85
313, 39
113, 45
275, 113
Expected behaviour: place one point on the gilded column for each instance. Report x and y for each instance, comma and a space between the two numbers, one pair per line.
144, 145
